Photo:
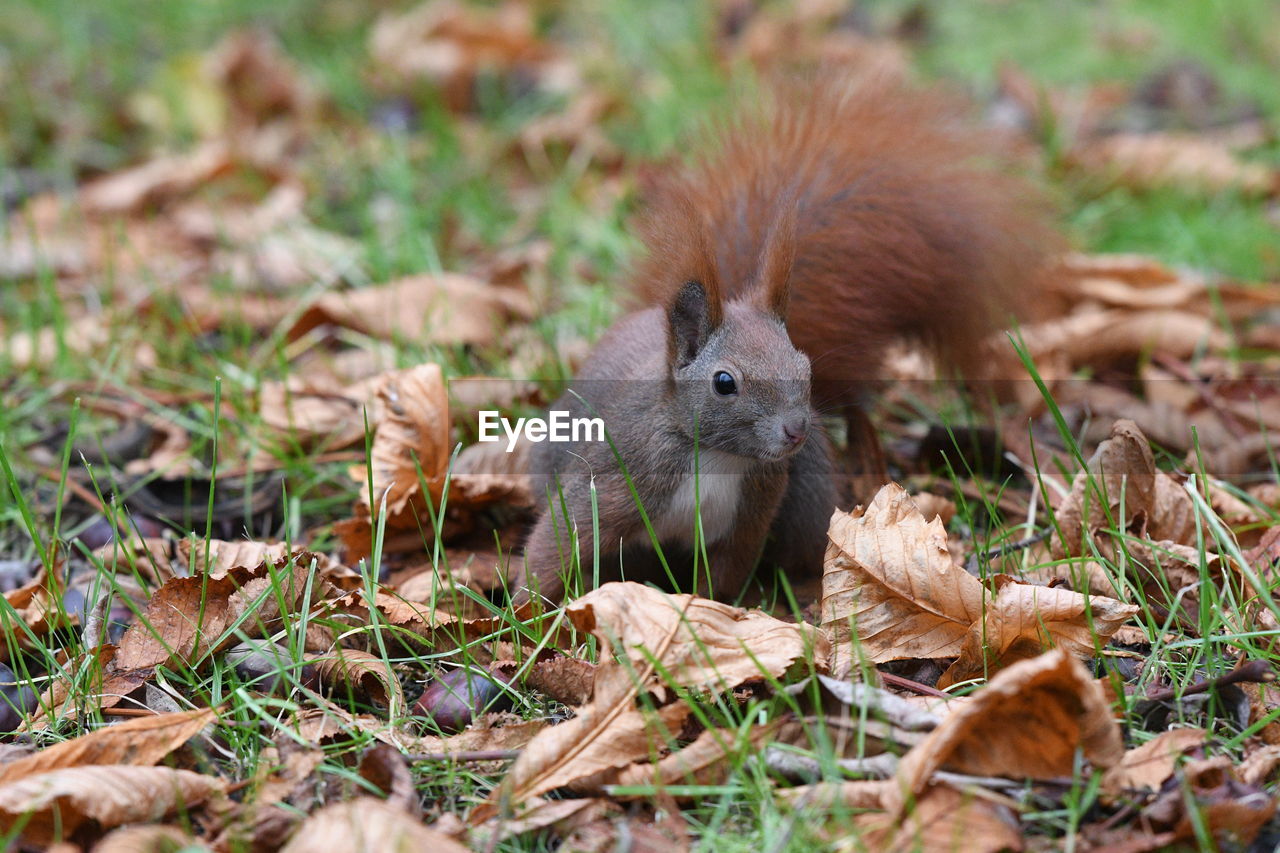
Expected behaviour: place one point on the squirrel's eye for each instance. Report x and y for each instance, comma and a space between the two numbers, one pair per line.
724, 384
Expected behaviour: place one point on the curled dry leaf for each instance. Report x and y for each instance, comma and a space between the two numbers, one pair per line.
147, 839
664, 641
317, 417
828, 796
367, 824
367, 674
890, 574
1120, 474
1023, 620
189, 617
1027, 722
140, 741
1100, 338
450, 43
944, 818
157, 180
698, 643
59, 801
1191, 162
890, 581
706, 761
559, 816
1208, 797
444, 309
1150, 765
217, 557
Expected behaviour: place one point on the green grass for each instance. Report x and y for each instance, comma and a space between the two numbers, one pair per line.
69, 72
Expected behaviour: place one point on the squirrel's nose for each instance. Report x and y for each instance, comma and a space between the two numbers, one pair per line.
796, 431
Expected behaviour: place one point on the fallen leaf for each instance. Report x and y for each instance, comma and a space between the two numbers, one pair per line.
367, 673
699, 643
944, 818
1024, 620
141, 741
890, 574
1027, 722
1190, 162
147, 839
1206, 797
1259, 766
1120, 474
157, 180
450, 43
667, 641
707, 761
60, 801
445, 309
558, 816
364, 825
190, 617
1149, 765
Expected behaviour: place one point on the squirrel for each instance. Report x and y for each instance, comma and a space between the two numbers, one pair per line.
824, 224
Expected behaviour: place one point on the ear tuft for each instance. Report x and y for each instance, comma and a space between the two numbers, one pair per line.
690, 323
776, 261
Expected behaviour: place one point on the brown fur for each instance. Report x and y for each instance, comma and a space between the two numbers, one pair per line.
871, 203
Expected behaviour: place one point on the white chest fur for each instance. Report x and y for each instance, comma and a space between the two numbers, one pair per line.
718, 491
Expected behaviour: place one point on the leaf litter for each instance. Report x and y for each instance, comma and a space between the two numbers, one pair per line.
943, 688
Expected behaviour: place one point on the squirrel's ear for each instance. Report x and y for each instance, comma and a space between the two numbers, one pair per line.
776, 260
690, 323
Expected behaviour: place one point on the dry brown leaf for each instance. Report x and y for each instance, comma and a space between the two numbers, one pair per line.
259, 81
568, 680
1027, 722
1100, 338
1122, 472
1024, 620
366, 825
1259, 766
611, 733
320, 418
188, 617
224, 556
450, 43
367, 673
706, 761
140, 741
694, 642
1173, 514
147, 839
59, 801
157, 180
559, 816
1211, 799
701, 644
890, 573
444, 309
826, 796
944, 818
1148, 766
411, 435
1185, 161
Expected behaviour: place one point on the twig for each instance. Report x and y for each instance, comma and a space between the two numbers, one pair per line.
914, 686
72, 486
971, 565
1249, 672
129, 712
466, 755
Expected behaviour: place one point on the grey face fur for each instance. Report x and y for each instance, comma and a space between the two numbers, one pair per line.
768, 414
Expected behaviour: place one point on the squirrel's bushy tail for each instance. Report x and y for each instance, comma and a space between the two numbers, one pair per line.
906, 221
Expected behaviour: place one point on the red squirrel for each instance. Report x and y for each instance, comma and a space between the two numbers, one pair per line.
823, 225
